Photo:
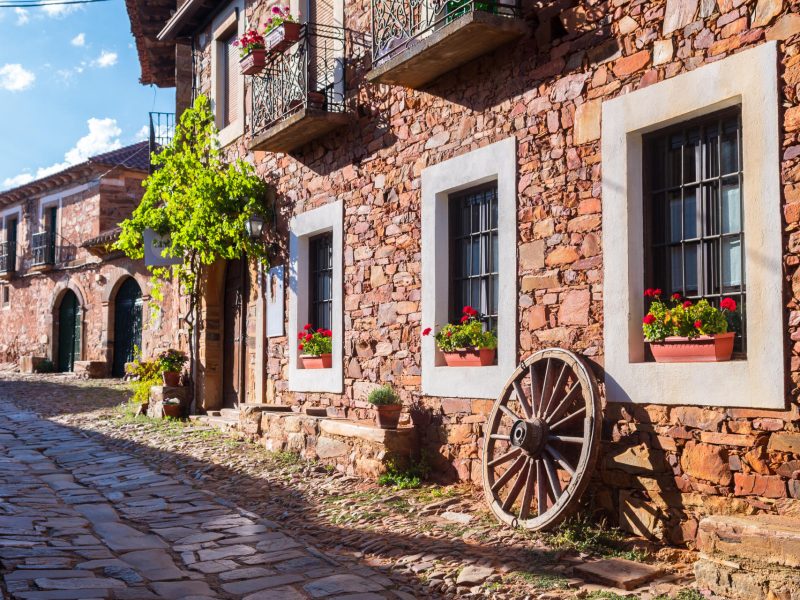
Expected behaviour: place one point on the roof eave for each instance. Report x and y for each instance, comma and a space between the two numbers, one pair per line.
186, 20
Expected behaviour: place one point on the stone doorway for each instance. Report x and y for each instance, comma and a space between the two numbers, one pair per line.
69, 332
127, 325
234, 332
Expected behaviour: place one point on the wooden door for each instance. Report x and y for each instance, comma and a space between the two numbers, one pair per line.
234, 328
69, 332
127, 325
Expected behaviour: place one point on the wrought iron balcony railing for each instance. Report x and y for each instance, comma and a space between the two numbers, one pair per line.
162, 131
399, 24
8, 257
308, 76
43, 248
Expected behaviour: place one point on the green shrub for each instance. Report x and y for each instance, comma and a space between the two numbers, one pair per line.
144, 375
383, 396
171, 361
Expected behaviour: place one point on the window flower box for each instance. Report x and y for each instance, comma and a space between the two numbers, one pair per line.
703, 348
282, 37
321, 361
253, 62
683, 331
466, 344
316, 347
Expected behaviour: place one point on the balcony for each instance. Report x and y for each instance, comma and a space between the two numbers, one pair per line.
8, 259
43, 249
300, 95
416, 41
162, 131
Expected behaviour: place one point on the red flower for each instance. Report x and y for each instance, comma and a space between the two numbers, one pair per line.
320, 330
309, 337
300, 347
307, 326
698, 324
687, 304
656, 292
465, 318
676, 296
648, 293
728, 304
649, 319
426, 331
449, 333
301, 335
327, 333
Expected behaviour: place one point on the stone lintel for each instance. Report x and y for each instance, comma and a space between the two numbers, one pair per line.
450, 46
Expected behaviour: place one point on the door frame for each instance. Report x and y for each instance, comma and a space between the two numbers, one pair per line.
241, 347
112, 337
56, 330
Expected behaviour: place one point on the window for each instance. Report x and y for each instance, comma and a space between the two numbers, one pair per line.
693, 210
227, 83
5, 296
229, 66
706, 156
321, 282
474, 279
469, 256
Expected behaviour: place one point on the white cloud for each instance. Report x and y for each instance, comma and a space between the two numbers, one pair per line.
57, 11
103, 136
17, 180
79, 40
15, 78
142, 135
106, 59
22, 16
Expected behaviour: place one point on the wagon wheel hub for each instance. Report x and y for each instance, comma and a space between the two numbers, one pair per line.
530, 436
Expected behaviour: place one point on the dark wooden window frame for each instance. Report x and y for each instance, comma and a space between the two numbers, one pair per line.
464, 232
320, 270
703, 179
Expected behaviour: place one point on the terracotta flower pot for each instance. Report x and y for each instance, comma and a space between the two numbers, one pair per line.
323, 361
469, 358
704, 348
388, 415
172, 410
253, 62
283, 37
171, 378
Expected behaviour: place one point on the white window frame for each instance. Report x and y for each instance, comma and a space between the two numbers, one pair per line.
748, 79
232, 16
495, 162
4, 216
328, 218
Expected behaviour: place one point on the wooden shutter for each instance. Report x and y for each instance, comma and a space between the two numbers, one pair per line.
231, 69
321, 16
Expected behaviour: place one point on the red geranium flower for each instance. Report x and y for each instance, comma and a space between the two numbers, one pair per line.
320, 330
426, 331
300, 347
307, 326
449, 333
687, 304
328, 333
698, 324
649, 319
728, 304
309, 337
656, 292
301, 335
465, 318
676, 296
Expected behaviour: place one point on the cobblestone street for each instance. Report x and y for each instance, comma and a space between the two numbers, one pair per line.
99, 504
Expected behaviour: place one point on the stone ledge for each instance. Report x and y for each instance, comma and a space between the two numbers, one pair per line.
364, 431
765, 539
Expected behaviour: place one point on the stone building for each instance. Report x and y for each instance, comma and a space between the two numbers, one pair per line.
65, 296
604, 146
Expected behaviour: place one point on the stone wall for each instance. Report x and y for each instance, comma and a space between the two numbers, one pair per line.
671, 464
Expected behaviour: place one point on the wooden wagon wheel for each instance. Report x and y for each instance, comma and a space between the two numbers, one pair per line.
541, 439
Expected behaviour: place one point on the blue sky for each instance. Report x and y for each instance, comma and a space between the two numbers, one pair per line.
69, 87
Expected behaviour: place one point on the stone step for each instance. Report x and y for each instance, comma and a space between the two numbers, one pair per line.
230, 413
748, 557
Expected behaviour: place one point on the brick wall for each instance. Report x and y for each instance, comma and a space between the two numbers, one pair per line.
669, 464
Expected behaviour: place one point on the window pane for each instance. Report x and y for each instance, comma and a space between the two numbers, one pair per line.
731, 262
692, 154
675, 229
676, 269
729, 155
690, 269
674, 160
731, 206
690, 214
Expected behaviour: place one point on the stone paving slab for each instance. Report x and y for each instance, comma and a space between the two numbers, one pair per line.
79, 521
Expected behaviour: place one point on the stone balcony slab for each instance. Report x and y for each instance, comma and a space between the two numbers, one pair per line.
297, 129
446, 48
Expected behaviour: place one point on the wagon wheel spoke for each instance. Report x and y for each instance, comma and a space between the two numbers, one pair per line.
504, 458
523, 400
538, 456
568, 418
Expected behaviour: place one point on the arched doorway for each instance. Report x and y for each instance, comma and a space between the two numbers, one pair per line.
127, 325
69, 332
233, 333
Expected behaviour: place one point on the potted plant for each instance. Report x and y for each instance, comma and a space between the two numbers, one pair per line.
315, 347
281, 31
172, 408
387, 406
466, 344
170, 363
682, 331
252, 53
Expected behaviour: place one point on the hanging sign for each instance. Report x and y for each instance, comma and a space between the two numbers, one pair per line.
154, 246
